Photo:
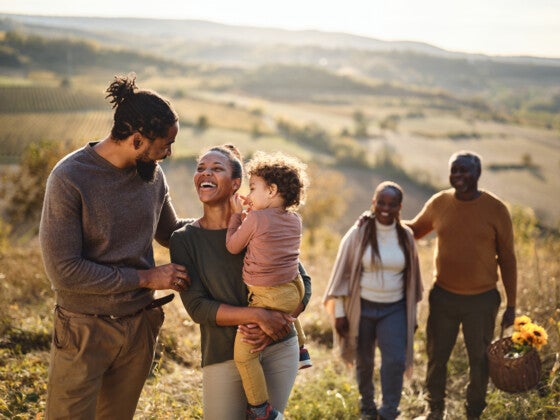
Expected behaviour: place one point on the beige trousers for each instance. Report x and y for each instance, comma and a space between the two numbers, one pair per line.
223, 394
98, 365
286, 298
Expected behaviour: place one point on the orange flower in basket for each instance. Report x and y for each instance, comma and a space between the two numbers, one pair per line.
520, 322
519, 337
526, 336
537, 334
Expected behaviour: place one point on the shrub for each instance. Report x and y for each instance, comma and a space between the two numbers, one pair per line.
25, 189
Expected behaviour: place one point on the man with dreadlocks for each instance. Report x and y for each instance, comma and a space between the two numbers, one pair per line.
104, 205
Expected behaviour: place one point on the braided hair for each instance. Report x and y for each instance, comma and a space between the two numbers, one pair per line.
138, 110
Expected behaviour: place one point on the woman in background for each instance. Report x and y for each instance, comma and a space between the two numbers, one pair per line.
372, 294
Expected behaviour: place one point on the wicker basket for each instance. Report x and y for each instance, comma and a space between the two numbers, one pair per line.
512, 375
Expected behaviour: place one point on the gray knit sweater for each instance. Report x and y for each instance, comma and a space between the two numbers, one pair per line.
97, 227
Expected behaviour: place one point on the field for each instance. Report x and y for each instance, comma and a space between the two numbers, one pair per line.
408, 140
173, 391
520, 162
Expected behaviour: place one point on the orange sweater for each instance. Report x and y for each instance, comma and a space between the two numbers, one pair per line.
473, 239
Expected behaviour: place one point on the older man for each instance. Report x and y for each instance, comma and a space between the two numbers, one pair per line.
474, 238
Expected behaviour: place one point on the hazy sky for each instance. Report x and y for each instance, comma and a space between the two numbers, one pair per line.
497, 27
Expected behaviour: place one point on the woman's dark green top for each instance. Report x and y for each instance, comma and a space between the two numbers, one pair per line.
215, 279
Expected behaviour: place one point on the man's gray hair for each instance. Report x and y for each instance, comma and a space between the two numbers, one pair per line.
473, 157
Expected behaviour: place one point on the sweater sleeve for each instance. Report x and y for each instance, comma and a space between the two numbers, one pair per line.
60, 234
168, 222
200, 306
422, 224
306, 283
240, 233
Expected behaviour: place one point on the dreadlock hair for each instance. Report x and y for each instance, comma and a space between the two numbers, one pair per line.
138, 110
286, 172
370, 234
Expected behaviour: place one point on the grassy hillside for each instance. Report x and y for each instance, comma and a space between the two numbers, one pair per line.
326, 391
416, 130
19, 50
191, 41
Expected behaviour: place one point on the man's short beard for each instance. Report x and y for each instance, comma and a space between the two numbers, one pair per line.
146, 169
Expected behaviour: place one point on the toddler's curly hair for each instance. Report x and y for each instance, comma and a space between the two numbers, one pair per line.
287, 172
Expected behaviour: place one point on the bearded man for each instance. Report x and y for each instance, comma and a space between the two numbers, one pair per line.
104, 205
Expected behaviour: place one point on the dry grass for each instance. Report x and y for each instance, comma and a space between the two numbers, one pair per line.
327, 390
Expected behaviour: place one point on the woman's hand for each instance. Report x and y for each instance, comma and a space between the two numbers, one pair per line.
342, 326
252, 334
275, 324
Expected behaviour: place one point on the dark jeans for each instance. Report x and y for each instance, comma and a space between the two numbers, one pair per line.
477, 315
386, 324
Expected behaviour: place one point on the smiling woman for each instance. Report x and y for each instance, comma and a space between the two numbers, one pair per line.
217, 298
372, 296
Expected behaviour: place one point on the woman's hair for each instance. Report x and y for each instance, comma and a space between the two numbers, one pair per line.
138, 110
234, 156
370, 235
287, 172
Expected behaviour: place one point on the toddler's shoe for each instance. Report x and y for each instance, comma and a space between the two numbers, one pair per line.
304, 359
264, 411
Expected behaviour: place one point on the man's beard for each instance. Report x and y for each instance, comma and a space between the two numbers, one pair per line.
146, 169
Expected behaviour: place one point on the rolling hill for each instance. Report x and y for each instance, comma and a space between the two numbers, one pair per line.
295, 91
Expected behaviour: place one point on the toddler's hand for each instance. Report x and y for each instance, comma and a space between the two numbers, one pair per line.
236, 203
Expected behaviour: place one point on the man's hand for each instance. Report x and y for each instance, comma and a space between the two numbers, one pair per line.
509, 317
342, 326
168, 276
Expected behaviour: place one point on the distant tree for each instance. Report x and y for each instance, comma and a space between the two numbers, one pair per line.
360, 124
345, 132
388, 159
390, 122
24, 190
325, 203
202, 123
527, 160
311, 134
348, 151
256, 131
65, 82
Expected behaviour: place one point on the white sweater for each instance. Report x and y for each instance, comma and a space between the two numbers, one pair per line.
381, 281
